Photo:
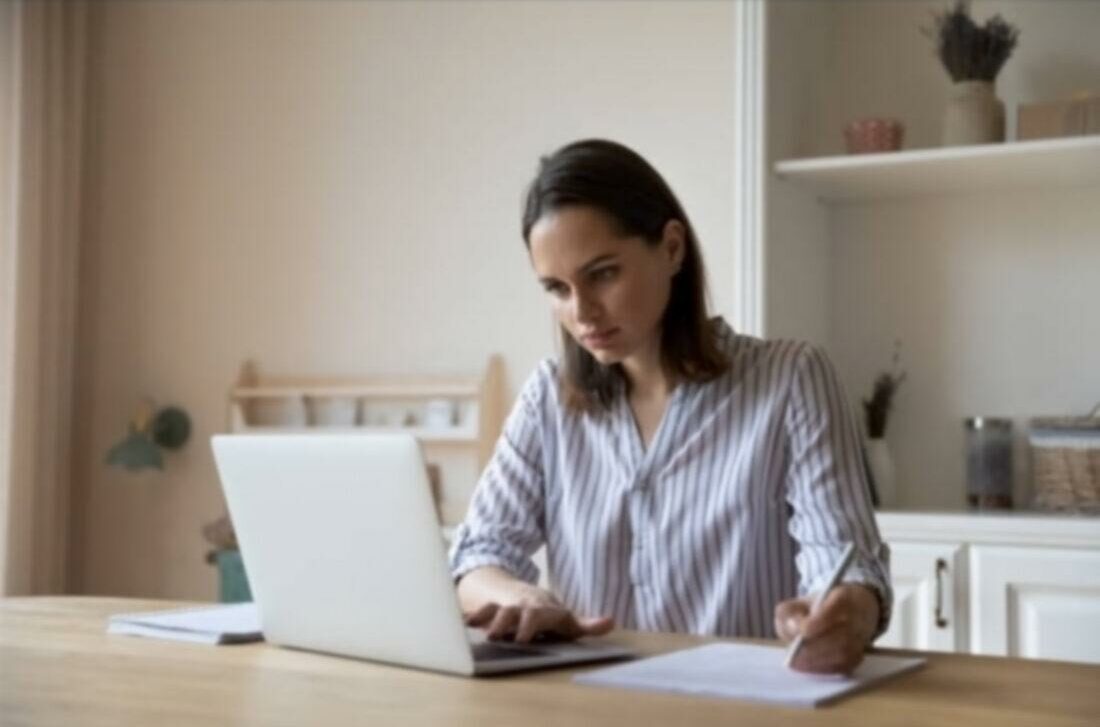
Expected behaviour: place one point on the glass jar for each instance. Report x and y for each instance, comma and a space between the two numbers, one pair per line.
989, 463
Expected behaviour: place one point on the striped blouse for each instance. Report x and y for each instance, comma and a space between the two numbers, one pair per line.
751, 488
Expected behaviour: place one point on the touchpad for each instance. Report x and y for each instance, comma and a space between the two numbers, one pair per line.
486, 651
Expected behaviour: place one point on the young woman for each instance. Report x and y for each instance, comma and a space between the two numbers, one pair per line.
682, 477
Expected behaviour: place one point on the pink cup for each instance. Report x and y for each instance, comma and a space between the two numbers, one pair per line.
869, 136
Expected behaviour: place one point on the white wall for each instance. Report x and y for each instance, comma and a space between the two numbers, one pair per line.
796, 254
334, 189
993, 295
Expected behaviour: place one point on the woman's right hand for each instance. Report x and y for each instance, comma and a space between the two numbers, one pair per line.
542, 617
508, 608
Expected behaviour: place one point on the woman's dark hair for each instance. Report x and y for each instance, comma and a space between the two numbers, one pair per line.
617, 181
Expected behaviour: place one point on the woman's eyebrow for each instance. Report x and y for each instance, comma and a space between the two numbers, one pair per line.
599, 259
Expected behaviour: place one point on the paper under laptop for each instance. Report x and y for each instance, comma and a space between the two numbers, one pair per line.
747, 672
227, 624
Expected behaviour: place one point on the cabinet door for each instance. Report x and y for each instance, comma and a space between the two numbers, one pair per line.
929, 607
1041, 603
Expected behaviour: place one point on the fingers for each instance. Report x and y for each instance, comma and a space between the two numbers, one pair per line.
481, 616
596, 626
525, 623
560, 622
834, 612
504, 623
789, 617
833, 639
534, 621
835, 652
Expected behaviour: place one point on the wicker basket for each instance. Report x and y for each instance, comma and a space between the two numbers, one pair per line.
1065, 457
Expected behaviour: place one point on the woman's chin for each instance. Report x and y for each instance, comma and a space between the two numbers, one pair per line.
606, 356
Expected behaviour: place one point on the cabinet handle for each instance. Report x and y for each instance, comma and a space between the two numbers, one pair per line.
941, 566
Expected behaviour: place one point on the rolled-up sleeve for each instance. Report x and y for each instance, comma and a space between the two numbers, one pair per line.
827, 486
505, 522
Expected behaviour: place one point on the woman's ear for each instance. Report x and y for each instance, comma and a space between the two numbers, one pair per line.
674, 239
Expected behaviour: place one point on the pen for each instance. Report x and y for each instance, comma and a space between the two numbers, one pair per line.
834, 579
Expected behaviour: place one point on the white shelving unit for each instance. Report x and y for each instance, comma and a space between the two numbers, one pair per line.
979, 259
1073, 162
284, 404
991, 295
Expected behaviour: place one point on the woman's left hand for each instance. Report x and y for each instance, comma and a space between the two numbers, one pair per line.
835, 637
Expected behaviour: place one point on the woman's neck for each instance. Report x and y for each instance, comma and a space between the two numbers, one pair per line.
645, 370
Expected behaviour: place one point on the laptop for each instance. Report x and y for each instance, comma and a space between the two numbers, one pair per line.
344, 555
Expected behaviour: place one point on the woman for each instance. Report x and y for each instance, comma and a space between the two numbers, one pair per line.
681, 476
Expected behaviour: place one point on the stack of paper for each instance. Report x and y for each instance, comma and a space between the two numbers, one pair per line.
744, 671
234, 623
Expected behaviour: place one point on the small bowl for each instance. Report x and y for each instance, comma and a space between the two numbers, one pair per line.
875, 135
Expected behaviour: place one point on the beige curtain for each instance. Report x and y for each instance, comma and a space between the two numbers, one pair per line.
42, 60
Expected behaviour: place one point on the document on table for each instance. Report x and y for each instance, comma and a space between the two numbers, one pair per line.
227, 624
745, 671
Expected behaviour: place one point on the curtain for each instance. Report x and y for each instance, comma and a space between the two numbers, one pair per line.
42, 63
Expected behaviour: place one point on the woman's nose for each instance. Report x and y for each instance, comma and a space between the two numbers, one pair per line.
586, 309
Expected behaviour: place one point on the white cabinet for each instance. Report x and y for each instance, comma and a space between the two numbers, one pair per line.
1002, 585
1041, 603
929, 582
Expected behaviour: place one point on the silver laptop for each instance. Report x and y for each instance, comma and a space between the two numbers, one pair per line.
344, 554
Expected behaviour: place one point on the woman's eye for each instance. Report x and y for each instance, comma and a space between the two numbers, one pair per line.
556, 289
604, 273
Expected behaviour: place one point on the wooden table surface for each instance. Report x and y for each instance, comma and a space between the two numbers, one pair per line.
59, 667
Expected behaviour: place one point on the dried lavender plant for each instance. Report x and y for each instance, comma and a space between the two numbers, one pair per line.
968, 51
877, 408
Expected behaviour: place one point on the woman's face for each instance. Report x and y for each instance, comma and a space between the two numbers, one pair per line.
608, 291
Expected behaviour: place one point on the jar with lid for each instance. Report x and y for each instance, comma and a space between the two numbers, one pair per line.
989, 463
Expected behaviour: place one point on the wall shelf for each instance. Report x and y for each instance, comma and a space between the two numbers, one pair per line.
456, 453
1070, 162
427, 435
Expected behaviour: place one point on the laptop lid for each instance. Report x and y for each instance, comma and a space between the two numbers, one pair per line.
342, 547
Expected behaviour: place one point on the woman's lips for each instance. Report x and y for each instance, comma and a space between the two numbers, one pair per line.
602, 339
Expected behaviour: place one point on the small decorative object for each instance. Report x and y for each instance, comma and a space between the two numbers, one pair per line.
220, 534
169, 428
278, 412
332, 411
226, 555
876, 410
875, 135
439, 414
989, 463
973, 56
1065, 460
1075, 116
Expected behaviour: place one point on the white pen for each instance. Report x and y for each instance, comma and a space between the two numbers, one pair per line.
834, 579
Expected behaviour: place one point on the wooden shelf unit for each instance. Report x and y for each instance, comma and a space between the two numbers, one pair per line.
462, 450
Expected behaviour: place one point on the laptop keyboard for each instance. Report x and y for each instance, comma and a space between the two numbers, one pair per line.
486, 651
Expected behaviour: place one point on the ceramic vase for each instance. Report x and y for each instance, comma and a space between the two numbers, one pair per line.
974, 115
881, 464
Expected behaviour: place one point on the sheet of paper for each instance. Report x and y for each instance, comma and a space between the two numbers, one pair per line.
744, 671
233, 623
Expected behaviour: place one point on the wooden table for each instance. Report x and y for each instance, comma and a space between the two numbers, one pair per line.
59, 667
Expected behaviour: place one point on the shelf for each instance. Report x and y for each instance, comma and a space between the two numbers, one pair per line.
1070, 162
424, 434
391, 390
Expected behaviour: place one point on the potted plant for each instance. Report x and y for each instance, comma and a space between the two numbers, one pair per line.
226, 555
876, 411
973, 56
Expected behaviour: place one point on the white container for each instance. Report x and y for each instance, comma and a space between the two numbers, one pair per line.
439, 414
881, 464
282, 411
333, 411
